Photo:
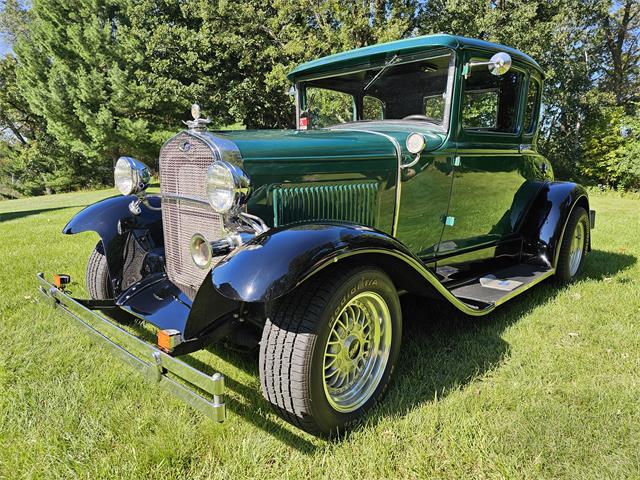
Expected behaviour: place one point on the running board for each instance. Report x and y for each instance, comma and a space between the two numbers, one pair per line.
511, 281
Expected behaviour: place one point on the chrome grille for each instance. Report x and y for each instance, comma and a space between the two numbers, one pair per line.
184, 161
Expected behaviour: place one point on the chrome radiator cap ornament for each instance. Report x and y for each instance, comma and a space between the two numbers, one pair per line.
197, 123
195, 111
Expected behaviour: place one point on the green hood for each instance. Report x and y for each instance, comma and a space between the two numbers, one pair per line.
338, 144
337, 174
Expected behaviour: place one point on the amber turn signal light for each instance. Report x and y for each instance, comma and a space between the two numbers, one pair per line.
61, 280
169, 339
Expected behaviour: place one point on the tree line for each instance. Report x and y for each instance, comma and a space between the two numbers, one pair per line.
90, 80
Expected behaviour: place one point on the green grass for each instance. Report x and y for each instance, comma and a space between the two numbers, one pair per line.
546, 387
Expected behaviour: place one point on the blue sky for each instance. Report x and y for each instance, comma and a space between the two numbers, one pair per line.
4, 47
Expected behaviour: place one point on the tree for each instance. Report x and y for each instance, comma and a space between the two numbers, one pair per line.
15, 116
31, 161
109, 77
620, 27
73, 73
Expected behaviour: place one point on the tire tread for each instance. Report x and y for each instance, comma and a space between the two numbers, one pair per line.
97, 276
285, 353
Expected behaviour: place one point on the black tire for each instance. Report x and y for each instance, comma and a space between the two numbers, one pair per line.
293, 344
579, 218
97, 276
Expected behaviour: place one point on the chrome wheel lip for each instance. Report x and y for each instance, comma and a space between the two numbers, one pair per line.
352, 372
576, 249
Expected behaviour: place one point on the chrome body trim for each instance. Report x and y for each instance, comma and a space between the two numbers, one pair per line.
222, 148
243, 218
185, 198
398, 148
151, 362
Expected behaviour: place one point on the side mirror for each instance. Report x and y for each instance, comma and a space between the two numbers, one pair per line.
499, 64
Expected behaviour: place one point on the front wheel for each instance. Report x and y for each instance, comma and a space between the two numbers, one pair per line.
328, 353
97, 276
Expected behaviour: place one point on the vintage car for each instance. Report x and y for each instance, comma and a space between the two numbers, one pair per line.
413, 170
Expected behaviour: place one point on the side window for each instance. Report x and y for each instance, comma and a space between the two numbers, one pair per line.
480, 110
490, 102
433, 106
328, 107
530, 117
372, 108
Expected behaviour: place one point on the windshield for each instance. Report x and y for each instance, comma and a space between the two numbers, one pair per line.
398, 89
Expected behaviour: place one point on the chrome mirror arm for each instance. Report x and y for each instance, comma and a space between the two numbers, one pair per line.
498, 64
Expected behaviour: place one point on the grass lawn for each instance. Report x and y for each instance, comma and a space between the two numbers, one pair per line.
546, 387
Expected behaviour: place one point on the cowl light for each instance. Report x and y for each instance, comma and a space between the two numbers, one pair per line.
416, 143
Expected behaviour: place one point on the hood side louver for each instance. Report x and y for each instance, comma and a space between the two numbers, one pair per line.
353, 203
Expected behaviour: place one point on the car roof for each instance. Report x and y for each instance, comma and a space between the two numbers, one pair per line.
409, 45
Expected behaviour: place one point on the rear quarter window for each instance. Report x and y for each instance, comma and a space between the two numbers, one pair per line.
531, 108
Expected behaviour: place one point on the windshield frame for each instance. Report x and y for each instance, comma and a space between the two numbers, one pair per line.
300, 85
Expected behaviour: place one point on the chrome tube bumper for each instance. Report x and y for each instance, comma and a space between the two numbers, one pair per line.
206, 393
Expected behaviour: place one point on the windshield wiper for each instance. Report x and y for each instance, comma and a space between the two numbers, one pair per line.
384, 68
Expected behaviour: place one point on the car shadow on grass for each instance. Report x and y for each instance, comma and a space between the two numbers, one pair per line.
243, 400
247, 401
5, 217
443, 350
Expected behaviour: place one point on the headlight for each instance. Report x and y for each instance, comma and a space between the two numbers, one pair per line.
131, 176
227, 186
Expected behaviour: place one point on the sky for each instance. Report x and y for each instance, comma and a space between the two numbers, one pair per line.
4, 47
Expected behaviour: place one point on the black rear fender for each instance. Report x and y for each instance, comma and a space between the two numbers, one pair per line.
543, 226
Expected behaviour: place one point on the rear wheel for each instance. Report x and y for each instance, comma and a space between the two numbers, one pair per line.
97, 277
328, 353
575, 242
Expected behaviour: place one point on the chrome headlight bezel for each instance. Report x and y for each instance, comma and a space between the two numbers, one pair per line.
131, 176
227, 187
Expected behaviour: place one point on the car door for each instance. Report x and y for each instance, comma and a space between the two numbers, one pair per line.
425, 197
487, 171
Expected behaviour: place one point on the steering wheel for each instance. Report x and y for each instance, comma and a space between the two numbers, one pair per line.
417, 116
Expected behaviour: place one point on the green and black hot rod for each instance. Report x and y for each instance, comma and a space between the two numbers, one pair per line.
413, 170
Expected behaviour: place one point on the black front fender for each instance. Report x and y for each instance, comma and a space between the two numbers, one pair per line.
112, 221
277, 261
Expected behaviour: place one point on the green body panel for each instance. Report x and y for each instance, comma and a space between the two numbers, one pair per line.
462, 198
278, 160
424, 203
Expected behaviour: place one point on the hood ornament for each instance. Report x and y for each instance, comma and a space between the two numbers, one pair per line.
197, 123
